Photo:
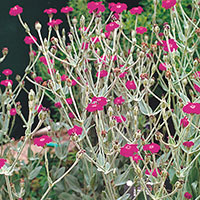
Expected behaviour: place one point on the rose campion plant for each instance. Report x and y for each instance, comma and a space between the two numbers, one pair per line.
127, 101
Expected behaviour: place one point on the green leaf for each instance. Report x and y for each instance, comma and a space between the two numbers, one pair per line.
101, 159
61, 150
34, 173
65, 195
93, 181
60, 172
72, 183
124, 197
144, 108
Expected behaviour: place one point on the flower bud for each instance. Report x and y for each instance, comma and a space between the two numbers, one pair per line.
18, 77
82, 21
110, 111
5, 51
31, 95
54, 40
70, 37
184, 81
195, 63
38, 26
74, 21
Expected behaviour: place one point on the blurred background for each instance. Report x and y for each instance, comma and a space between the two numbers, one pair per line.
12, 36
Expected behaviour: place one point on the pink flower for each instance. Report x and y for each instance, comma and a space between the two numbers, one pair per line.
111, 26
187, 195
119, 100
69, 101
107, 34
119, 118
64, 77
71, 115
128, 149
197, 74
136, 157
38, 108
66, 9
118, 8
141, 30
136, 10
38, 79
168, 3
130, 85
114, 58
123, 74
16, 10
53, 71
58, 105
85, 45
29, 40
50, 11
76, 129
44, 60
96, 7
184, 122
192, 108
188, 144
162, 67
2, 162
42, 141
154, 173
102, 58
7, 72
103, 73
92, 107
55, 22
153, 147
32, 52
95, 40
172, 45
196, 87
74, 82
13, 111
5, 82
100, 100
84, 29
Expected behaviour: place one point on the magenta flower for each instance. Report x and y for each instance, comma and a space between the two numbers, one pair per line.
13, 111
96, 7
188, 144
44, 60
154, 173
130, 85
92, 107
128, 149
95, 40
119, 118
71, 115
69, 101
32, 52
141, 30
74, 82
136, 157
66, 9
75, 130
172, 45
84, 29
53, 71
119, 100
64, 77
107, 34
103, 73
58, 105
187, 195
114, 58
55, 22
38, 79
192, 108
136, 10
162, 67
29, 40
7, 72
118, 7
153, 147
85, 45
103, 58
38, 108
42, 141
16, 10
197, 74
50, 11
184, 122
168, 3
100, 100
196, 87
111, 26
2, 162
123, 74
5, 82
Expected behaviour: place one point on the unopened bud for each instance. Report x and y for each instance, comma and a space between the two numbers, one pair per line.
82, 22
74, 21
5, 51
31, 95
38, 26
110, 111
195, 63
54, 40
18, 77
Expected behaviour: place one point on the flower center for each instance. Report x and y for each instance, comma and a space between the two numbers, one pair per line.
42, 139
192, 106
